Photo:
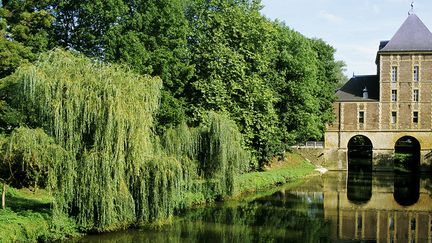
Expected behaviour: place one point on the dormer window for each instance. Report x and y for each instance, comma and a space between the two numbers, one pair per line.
394, 74
416, 73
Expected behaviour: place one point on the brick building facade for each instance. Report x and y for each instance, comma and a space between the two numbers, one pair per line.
394, 103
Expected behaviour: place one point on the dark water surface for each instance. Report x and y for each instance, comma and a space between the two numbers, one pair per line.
335, 207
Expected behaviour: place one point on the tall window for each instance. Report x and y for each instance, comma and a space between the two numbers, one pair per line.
415, 117
416, 95
394, 95
361, 117
416, 73
393, 117
394, 74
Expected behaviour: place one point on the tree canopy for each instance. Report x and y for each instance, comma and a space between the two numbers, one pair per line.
218, 55
151, 100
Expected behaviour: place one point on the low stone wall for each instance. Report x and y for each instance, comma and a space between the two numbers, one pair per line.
314, 155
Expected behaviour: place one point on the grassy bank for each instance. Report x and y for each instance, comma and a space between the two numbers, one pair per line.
27, 218
293, 167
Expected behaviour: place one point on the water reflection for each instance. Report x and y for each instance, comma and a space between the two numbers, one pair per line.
398, 210
359, 186
406, 188
337, 207
282, 217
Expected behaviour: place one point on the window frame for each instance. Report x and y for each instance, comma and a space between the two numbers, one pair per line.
394, 95
394, 74
416, 73
415, 118
394, 117
361, 117
416, 95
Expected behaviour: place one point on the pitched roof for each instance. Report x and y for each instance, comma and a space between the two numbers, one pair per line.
353, 89
413, 35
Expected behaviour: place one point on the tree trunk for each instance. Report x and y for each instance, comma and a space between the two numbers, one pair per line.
4, 196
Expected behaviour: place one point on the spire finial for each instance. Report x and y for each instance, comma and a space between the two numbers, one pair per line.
412, 8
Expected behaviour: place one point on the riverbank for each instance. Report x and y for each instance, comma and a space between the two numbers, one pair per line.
291, 168
28, 214
27, 218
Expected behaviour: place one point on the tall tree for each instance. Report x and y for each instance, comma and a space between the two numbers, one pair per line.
148, 35
24, 32
230, 45
329, 76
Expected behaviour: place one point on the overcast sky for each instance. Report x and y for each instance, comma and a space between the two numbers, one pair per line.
353, 27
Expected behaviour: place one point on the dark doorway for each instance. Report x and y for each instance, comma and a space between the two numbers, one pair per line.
359, 181
407, 155
360, 153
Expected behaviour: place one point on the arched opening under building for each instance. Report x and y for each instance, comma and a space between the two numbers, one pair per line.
359, 181
407, 155
406, 166
360, 153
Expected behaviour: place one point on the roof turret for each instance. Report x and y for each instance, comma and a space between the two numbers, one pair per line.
413, 35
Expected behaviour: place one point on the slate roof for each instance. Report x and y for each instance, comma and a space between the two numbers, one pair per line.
353, 89
413, 35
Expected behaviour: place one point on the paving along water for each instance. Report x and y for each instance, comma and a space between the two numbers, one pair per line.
335, 207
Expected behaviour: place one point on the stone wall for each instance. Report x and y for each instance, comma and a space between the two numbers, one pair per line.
383, 142
314, 155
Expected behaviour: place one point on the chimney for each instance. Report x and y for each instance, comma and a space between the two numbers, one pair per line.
365, 93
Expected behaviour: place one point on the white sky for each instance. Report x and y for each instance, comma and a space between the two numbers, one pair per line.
353, 27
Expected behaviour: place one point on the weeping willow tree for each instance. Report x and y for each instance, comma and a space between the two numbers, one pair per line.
26, 156
114, 172
103, 115
216, 146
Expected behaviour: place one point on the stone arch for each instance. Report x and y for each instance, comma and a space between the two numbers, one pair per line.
407, 154
359, 181
360, 153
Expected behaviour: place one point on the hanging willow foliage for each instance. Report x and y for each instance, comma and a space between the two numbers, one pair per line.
113, 172
103, 115
222, 153
216, 146
28, 154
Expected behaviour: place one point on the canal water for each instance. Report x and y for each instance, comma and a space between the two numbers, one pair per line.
335, 207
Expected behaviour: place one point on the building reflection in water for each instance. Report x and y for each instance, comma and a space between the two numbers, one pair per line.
379, 207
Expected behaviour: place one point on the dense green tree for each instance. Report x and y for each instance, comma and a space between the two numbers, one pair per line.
25, 28
219, 55
329, 76
104, 164
293, 78
230, 44
148, 35
25, 158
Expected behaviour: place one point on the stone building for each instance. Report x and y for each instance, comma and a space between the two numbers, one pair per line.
390, 109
